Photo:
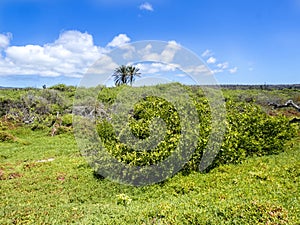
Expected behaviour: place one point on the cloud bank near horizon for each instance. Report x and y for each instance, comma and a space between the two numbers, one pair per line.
74, 52
69, 55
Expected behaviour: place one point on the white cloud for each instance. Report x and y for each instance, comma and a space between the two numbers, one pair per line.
145, 51
217, 71
156, 67
207, 53
5, 40
119, 40
233, 70
164, 67
146, 6
30, 53
147, 54
170, 51
201, 69
216, 67
166, 56
104, 65
130, 50
75, 41
220, 67
74, 52
211, 60
223, 65
70, 55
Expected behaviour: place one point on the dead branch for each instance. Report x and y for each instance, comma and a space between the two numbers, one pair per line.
90, 111
289, 103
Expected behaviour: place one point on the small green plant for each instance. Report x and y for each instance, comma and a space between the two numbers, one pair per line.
6, 137
123, 199
67, 120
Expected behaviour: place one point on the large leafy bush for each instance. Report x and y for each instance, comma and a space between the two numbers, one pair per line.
249, 131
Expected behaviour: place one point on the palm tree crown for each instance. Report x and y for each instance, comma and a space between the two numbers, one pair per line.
125, 74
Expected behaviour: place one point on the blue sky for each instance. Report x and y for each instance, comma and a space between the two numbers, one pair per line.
242, 42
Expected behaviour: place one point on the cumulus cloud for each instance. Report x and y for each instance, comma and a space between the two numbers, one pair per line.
167, 55
130, 50
5, 40
217, 67
146, 6
220, 67
70, 55
211, 60
201, 69
233, 70
156, 67
74, 52
170, 51
217, 71
119, 40
104, 65
223, 65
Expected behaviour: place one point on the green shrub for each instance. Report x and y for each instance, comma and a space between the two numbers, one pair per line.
38, 126
63, 130
143, 112
67, 120
108, 95
6, 137
59, 87
249, 132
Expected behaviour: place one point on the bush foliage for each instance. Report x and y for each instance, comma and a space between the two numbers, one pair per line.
45, 181
250, 131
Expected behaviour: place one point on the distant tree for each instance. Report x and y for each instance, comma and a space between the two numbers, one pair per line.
44, 86
121, 75
125, 74
59, 87
132, 73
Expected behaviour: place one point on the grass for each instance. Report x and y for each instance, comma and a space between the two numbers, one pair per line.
262, 190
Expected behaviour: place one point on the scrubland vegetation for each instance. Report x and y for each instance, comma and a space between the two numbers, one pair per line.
44, 179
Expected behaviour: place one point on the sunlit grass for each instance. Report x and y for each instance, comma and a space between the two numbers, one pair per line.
262, 190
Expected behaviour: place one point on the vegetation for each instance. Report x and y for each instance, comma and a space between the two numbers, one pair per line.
249, 130
253, 180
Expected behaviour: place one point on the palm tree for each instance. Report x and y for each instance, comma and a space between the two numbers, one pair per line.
125, 74
120, 75
132, 73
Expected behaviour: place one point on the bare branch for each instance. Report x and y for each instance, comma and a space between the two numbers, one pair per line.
295, 120
289, 103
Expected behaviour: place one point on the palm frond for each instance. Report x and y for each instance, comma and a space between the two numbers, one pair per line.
125, 74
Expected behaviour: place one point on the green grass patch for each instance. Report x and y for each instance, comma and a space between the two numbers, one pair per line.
48, 182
